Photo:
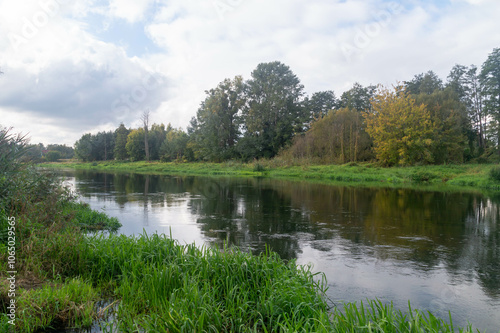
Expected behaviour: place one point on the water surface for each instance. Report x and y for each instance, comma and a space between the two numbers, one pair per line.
439, 250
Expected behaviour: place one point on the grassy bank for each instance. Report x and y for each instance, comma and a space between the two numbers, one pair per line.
466, 175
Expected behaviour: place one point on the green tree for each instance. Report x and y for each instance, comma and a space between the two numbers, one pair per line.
156, 138
357, 98
53, 156
466, 84
120, 150
450, 125
145, 123
84, 148
135, 145
490, 81
402, 131
274, 113
338, 137
424, 84
65, 151
216, 129
319, 105
174, 146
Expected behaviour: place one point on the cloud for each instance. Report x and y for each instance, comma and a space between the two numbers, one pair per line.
66, 71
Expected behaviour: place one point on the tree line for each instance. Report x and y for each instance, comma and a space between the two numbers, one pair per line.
420, 121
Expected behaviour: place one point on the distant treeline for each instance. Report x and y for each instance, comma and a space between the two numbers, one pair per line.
421, 121
50, 153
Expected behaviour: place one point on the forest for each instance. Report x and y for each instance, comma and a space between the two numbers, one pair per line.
421, 121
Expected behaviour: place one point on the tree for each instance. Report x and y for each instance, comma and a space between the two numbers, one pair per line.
53, 156
175, 145
65, 151
216, 129
466, 84
490, 81
450, 124
357, 98
135, 145
95, 147
156, 138
274, 112
84, 148
338, 137
401, 130
320, 104
424, 84
120, 149
145, 122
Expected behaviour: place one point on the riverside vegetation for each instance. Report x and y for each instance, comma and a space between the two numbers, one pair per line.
473, 176
155, 284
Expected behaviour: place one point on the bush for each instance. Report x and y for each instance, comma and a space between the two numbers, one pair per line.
495, 174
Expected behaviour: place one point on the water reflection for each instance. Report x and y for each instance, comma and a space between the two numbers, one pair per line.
437, 249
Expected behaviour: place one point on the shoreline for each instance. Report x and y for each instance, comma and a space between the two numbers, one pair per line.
470, 177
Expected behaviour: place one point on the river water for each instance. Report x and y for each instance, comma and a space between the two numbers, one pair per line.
440, 250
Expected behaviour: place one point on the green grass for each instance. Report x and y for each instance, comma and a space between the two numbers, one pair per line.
464, 175
69, 304
164, 286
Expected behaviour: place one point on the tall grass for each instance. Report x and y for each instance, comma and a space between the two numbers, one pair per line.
164, 286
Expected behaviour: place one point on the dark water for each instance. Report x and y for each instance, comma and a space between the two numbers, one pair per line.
439, 250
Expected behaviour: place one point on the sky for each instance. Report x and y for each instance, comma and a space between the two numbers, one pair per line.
84, 66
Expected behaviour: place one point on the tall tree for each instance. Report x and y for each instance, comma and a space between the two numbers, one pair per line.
401, 130
466, 84
135, 145
216, 129
425, 83
84, 148
320, 104
174, 146
145, 123
490, 81
156, 137
450, 124
120, 149
274, 113
357, 98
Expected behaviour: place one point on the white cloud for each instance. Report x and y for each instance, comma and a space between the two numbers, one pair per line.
130, 10
63, 71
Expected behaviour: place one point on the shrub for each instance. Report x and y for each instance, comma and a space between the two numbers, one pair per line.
495, 174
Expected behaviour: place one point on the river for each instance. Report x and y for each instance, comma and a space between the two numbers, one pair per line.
440, 250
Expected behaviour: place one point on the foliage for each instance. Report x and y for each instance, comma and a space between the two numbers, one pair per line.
53, 156
135, 145
426, 83
120, 150
338, 137
274, 113
216, 128
450, 123
319, 105
174, 146
402, 131
95, 147
357, 98
490, 81
69, 304
495, 174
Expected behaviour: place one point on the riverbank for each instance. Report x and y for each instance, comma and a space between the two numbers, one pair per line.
464, 175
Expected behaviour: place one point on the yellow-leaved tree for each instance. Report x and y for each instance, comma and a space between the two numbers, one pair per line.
401, 130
